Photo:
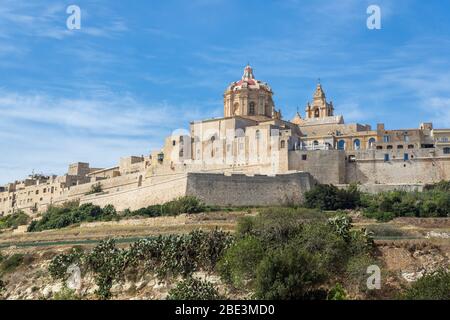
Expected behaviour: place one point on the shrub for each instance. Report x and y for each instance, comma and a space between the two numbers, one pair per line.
290, 273
59, 264
337, 293
238, 264
14, 220
325, 243
108, 263
430, 287
329, 197
95, 188
384, 206
69, 214
275, 226
193, 289
178, 206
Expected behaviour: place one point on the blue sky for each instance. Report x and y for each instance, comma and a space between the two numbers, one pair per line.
137, 70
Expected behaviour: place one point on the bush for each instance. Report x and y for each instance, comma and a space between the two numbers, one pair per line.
178, 206
329, 197
430, 287
337, 293
275, 226
95, 188
291, 273
238, 264
14, 220
434, 201
194, 289
69, 214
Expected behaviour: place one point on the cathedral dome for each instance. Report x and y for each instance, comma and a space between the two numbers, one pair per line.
248, 81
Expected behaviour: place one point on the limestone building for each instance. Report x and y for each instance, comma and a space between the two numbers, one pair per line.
251, 156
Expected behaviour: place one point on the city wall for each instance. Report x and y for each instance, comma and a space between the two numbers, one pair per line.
242, 190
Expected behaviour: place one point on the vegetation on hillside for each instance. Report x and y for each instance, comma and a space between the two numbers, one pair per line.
167, 256
434, 201
14, 220
71, 213
292, 258
435, 286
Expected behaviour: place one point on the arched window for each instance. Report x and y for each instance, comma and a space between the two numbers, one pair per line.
251, 109
283, 144
372, 142
316, 113
357, 144
341, 145
328, 146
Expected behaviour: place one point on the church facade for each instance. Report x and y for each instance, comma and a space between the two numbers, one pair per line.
253, 140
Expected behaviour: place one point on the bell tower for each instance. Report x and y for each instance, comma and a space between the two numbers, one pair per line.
319, 108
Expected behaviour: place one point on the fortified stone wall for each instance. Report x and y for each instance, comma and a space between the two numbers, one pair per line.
325, 166
149, 193
242, 190
420, 167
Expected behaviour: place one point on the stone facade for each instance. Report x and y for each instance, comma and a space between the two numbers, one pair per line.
270, 160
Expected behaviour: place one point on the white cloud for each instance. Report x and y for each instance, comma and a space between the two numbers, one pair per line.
47, 133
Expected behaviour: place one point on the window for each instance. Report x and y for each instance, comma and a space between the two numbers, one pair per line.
386, 157
405, 157
251, 110
400, 146
389, 147
174, 142
356, 144
446, 150
411, 146
257, 134
341, 145
406, 138
386, 139
379, 147
283, 144
304, 157
316, 113
372, 142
